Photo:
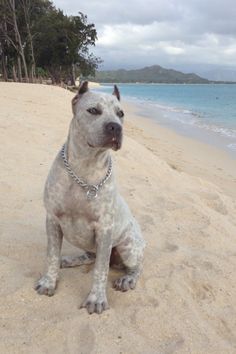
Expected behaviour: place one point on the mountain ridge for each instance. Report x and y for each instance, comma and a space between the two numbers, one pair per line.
149, 74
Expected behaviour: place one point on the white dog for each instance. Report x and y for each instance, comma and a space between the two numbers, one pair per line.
83, 204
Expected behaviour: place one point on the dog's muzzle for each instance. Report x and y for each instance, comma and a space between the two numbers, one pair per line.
113, 134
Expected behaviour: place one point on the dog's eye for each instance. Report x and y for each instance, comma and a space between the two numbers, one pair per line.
94, 111
120, 114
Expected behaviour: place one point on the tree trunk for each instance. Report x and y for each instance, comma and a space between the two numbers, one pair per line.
18, 38
3, 45
4, 69
14, 73
33, 66
73, 77
4, 66
19, 69
26, 8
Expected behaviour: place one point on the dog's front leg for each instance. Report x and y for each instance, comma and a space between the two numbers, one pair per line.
47, 284
96, 301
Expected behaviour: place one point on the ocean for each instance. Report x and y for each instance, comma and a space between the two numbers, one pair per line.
204, 112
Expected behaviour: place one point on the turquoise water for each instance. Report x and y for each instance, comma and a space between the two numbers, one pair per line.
207, 112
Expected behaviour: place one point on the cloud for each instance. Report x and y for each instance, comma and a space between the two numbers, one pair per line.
135, 33
118, 12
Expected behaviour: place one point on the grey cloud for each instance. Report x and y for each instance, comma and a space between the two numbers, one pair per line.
200, 15
176, 32
117, 12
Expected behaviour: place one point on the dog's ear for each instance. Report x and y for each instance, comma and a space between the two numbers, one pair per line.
82, 89
116, 92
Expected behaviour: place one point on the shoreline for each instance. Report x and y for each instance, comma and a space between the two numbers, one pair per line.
195, 132
181, 152
183, 117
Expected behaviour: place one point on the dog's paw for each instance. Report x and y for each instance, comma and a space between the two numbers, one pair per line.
95, 303
125, 283
45, 286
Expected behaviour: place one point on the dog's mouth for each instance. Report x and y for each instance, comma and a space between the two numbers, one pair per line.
113, 143
116, 143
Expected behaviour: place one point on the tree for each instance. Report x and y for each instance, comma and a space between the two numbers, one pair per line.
62, 45
10, 13
26, 6
29, 14
8, 41
34, 34
3, 46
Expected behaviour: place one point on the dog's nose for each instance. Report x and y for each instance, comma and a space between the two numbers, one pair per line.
113, 128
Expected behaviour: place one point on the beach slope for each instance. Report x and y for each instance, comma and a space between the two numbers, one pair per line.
185, 301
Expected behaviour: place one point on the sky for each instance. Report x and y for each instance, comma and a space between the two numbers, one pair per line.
181, 34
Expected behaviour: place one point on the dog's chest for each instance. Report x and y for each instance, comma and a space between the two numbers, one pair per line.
75, 204
78, 218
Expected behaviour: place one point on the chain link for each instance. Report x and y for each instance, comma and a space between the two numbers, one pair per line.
92, 189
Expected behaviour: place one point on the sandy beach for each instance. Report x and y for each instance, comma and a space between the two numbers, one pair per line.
182, 192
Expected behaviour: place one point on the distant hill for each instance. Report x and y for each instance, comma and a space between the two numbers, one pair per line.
151, 74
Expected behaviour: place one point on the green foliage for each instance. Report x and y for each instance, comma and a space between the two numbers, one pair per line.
62, 41
41, 72
52, 41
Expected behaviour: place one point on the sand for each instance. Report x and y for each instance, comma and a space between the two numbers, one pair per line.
185, 301
92, 84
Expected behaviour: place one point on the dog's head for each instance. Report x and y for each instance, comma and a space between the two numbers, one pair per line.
99, 117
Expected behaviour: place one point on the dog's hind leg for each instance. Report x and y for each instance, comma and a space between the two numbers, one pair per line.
131, 252
74, 261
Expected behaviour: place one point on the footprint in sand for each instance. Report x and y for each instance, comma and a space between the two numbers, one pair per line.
147, 221
213, 201
201, 290
169, 247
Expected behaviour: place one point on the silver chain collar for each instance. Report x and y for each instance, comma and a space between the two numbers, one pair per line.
92, 189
